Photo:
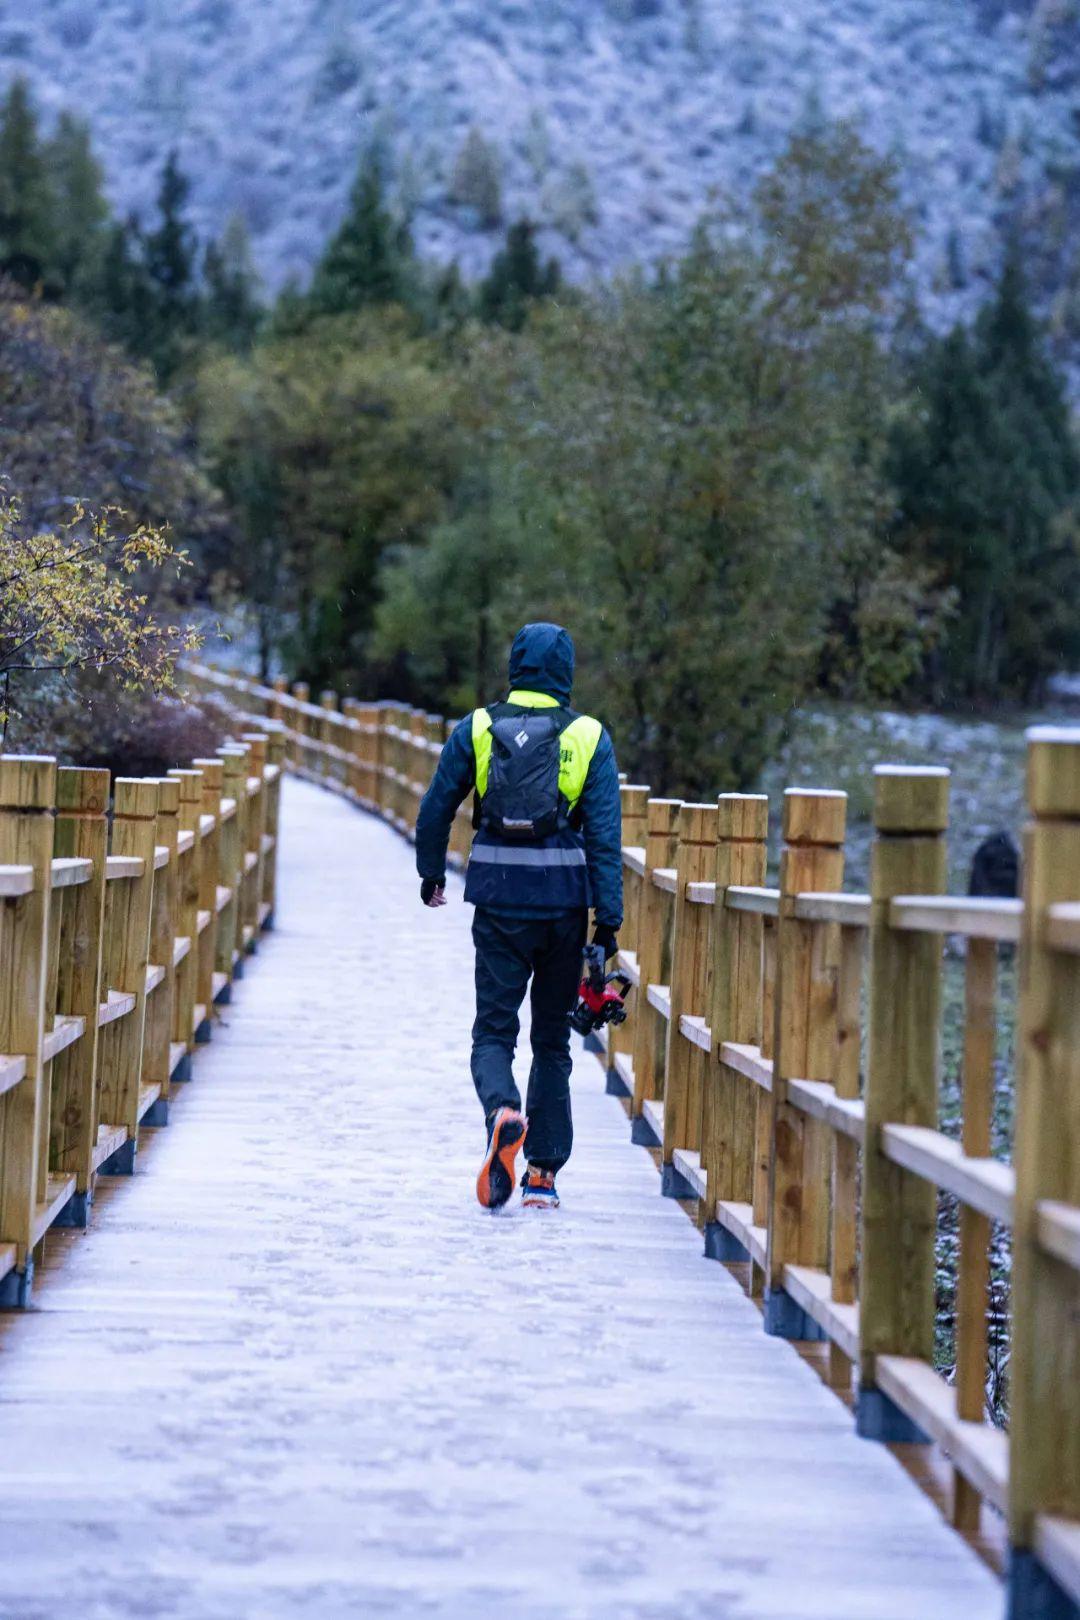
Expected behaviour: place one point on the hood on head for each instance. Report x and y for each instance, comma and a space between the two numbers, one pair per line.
542, 660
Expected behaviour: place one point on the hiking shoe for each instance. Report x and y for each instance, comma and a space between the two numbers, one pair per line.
538, 1189
495, 1182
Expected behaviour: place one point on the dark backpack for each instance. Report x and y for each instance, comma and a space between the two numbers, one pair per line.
522, 800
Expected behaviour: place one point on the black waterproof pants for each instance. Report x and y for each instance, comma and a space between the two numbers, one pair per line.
508, 951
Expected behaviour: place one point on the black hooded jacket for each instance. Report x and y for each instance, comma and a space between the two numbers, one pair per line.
541, 661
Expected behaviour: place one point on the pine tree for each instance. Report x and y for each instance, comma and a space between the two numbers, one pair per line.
370, 258
988, 475
231, 312
120, 295
28, 246
82, 212
516, 278
170, 264
476, 182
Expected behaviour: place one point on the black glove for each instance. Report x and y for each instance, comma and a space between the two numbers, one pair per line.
605, 936
432, 891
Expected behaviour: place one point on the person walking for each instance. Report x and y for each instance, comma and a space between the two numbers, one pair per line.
547, 846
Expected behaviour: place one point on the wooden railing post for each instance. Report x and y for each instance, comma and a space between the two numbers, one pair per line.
189, 866
634, 800
275, 759
303, 723
27, 796
328, 703
691, 931
126, 958
1044, 1370
661, 842
157, 1042
730, 1103
209, 882
256, 826
804, 1048
81, 832
896, 1288
231, 855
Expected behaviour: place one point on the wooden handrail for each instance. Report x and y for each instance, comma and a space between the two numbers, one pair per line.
105, 955
800, 1114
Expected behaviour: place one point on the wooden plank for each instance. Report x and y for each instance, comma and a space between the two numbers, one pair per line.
8, 1256
1058, 1228
738, 1219
899, 1210
177, 1053
12, 1070
58, 1190
109, 1138
27, 797
68, 871
148, 1096
127, 945
185, 840
701, 894
805, 1031
980, 1451
64, 1033
161, 857
634, 860
652, 1111
812, 1289
850, 910
15, 881
729, 1107
204, 920
1044, 1384
688, 1164
1062, 930
623, 1064
983, 1184
973, 1279
155, 974
222, 897
696, 1031
120, 867
198, 1015
627, 963
117, 1004
181, 948
749, 897
748, 1061
818, 1099
659, 996
219, 980
81, 833
1057, 1543
689, 983
665, 878
947, 914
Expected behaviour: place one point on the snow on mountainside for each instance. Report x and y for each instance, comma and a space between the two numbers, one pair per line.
613, 121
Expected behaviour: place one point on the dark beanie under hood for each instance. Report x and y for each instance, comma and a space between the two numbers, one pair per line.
542, 660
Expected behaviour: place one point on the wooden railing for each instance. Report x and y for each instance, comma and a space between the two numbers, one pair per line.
127, 909
783, 1056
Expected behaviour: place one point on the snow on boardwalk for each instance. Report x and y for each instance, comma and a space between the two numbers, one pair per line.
296, 1371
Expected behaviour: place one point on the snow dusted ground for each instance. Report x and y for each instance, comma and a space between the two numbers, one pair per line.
295, 1370
612, 121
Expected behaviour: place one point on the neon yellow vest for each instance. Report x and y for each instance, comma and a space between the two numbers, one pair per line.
577, 745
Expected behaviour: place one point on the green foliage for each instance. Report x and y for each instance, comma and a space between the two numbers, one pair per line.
70, 601
517, 278
638, 480
370, 258
82, 213
28, 238
80, 421
334, 445
170, 256
988, 479
231, 312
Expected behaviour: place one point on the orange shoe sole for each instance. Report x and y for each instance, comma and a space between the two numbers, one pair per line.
495, 1182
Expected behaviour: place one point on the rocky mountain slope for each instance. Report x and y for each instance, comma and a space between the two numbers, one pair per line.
610, 121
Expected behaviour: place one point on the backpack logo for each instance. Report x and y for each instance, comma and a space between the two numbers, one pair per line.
522, 738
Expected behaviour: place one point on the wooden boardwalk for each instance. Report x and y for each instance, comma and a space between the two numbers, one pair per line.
296, 1371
